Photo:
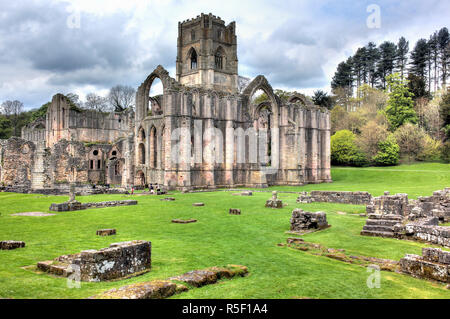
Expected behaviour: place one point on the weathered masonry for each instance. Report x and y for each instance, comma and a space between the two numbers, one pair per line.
206, 130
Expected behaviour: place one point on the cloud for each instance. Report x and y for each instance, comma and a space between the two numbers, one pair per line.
295, 44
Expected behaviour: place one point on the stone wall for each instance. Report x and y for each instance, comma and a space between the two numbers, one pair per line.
306, 221
434, 264
74, 205
118, 261
438, 235
437, 205
389, 204
16, 162
354, 198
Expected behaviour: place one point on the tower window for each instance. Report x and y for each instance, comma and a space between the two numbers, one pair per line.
192, 35
219, 61
193, 60
206, 23
219, 34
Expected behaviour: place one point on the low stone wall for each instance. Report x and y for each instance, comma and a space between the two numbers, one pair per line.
437, 205
354, 198
389, 204
118, 261
434, 264
305, 221
63, 189
74, 205
438, 235
10, 244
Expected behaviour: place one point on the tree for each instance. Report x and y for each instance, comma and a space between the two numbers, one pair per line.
369, 139
411, 140
372, 57
322, 99
402, 55
400, 105
96, 102
121, 97
419, 57
443, 39
343, 78
444, 112
417, 86
434, 55
386, 64
13, 109
74, 100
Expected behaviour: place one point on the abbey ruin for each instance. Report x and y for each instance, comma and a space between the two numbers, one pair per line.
204, 131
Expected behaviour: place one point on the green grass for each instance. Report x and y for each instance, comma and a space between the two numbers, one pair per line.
219, 239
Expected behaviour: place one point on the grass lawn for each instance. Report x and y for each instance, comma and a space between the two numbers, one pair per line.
219, 239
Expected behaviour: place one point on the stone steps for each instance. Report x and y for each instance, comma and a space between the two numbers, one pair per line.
374, 233
379, 228
382, 222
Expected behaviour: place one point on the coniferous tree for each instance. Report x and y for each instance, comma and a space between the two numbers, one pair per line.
387, 53
419, 58
434, 56
372, 56
444, 54
402, 56
343, 77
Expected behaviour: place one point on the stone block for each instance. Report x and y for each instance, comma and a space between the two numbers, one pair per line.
11, 244
304, 221
234, 211
106, 232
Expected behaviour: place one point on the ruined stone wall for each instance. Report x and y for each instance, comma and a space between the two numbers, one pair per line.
354, 198
304, 221
195, 144
434, 264
437, 205
390, 204
16, 162
438, 235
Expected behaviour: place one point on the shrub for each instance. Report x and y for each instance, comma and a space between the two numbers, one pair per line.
369, 139
431, 150
389, 152
344, 150
411, 139
446, 152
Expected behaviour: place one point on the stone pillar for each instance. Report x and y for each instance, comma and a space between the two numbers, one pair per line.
229, 142
314, 147
208, 145
184, 160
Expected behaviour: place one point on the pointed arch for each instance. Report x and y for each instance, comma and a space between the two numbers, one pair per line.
192, 59
219, 58
153, 147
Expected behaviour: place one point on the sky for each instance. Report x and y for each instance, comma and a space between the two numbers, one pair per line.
50, 46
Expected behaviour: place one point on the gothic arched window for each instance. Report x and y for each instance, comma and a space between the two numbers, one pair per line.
219, 60
193, 60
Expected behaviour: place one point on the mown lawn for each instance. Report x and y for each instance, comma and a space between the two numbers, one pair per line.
219, 239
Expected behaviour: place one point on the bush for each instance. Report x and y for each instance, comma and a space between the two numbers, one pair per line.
344, 150
446, 152
389, 152
369, 139
431, 150
411, 139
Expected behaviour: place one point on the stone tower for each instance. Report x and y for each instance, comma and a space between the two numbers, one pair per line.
207, 54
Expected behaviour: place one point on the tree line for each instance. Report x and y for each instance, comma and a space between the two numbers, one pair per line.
13, 115
426, 66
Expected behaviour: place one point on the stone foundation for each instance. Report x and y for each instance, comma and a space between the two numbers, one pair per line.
434, 264
106, 232
302, 221
354, 198
437, 205
10, 245
390, 205
181, 221
74, 205
438, 235
159, 289
274, 202
234, 211
379, 225
118, 261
